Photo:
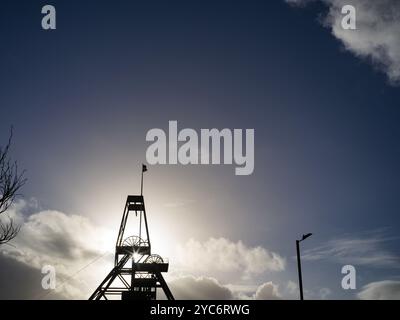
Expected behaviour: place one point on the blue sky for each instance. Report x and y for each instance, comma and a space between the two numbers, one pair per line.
81, 99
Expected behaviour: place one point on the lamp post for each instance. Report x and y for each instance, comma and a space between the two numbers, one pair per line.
304, 237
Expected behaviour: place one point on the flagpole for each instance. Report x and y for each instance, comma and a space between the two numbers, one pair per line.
141, 184
144, 169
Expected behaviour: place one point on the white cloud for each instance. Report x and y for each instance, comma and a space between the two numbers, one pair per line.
366, 249
207, 288
223, 255
75, 247
381, 290
267, 291
67, 242
377, 35
292, 288
324, 293
201, 288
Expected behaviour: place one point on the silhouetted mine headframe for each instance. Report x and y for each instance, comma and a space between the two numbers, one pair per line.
137, 273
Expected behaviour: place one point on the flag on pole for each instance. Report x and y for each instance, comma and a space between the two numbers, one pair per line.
144, 168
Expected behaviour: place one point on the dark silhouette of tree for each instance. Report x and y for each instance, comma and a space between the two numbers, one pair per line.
11, 180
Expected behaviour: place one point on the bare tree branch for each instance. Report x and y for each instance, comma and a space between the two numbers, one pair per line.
8, 231
11, 180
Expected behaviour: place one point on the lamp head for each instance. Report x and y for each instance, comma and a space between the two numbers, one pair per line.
305, 236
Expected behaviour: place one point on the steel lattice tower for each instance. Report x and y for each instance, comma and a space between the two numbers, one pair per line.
137, 273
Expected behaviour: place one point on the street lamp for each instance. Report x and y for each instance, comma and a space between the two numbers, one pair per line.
304, 237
